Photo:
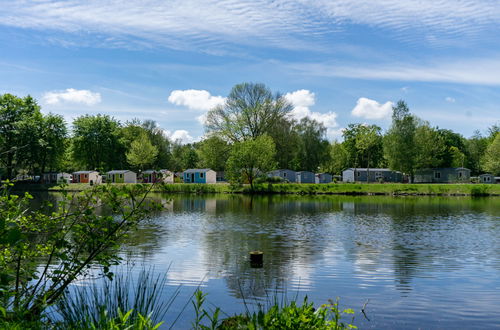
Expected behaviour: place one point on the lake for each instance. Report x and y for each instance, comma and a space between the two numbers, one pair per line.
417, 262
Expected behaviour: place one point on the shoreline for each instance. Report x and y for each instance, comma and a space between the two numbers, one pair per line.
364, 189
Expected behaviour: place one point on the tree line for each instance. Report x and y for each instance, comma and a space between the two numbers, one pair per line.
252, 132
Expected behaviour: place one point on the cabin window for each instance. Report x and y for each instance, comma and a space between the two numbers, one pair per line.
201, 175
284, 174
358, 173
459, 174
437, 175
121, 176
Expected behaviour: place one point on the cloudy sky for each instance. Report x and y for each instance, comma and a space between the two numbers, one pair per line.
337, 61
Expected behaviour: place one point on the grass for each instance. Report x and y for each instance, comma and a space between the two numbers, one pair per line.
124, 301
392, 189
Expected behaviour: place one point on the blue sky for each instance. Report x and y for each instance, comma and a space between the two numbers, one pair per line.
337, 61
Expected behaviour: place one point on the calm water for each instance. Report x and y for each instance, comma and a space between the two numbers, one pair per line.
426, 262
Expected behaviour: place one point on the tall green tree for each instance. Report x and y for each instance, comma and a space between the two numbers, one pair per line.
399, 142
455, 148
251, 158
213, 153
250, 110
313, 145
430, 147
363, 144
160, 140
339, 159
475, 148
491, 160
15, 113
142, 153
369, 144
96, 143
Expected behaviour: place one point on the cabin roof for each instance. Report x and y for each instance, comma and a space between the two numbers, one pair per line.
119, 171
196, 170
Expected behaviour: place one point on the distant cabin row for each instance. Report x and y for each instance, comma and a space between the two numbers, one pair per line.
206, 175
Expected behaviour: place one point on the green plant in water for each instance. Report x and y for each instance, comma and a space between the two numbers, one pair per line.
41, 254
102, 301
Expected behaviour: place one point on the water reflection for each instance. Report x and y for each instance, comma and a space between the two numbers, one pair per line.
419, 257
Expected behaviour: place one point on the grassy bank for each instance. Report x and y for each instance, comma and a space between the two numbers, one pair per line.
391, 189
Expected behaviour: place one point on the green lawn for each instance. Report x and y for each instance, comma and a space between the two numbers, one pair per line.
306, 189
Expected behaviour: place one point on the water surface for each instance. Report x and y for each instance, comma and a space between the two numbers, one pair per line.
419, 262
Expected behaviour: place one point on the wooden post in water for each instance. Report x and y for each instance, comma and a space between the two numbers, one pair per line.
256, 259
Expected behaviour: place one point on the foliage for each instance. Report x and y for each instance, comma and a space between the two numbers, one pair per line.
142, 154
213, 153
339, 159
399, 142
96, 143
250, 110
286, 315
313, 146
430, 147
491, 162
101, 303
23, 131
363, 145
42, 253
250, 159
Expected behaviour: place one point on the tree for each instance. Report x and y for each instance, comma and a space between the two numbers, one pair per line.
312, 146
250, 110
213, 153
15, 112
399, 142
368, 142
43, 253
159, 139
251, 158
455, 145
363, 144
142, 153
475, 148
96, 143
430, 147
52, 143
339, 159
491, 161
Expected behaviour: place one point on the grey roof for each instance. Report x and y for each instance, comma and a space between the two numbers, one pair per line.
196, 170
119, 172
371, 169
299, 172
149, 171
486, 174
84, 172
443, 169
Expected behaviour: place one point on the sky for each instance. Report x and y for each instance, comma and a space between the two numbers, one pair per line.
336, 61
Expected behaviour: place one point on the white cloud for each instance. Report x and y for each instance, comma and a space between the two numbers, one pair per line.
195, 99
195, 23
180, 135
302, 100
480, 71
72, 95
450, 99
371, 109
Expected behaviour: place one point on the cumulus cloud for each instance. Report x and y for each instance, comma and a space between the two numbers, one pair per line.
195, 99
72, 95
450, 99
302, 100
181, 136
371, 109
